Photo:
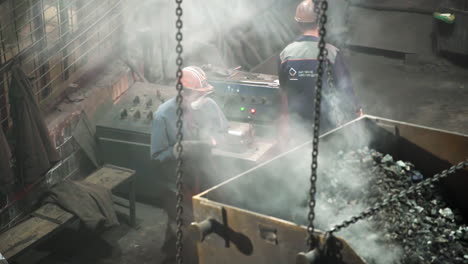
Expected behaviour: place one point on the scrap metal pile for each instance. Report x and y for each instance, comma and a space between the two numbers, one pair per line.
424, 226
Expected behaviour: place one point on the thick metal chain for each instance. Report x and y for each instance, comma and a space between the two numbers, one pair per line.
330, 79
396, 197
180, 137
320, 9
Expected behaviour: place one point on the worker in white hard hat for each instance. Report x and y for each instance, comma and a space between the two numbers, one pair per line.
297, 75
204, 126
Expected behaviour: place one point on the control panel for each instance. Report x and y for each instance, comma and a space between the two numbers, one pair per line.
244, 96
124, 138
131, 116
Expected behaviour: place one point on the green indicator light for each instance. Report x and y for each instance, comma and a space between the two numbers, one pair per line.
242, 109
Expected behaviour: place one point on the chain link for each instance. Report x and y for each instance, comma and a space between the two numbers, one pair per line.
330, 80
320, 8
180, 136
396, 197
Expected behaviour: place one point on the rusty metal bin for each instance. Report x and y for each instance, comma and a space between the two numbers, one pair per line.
254, 232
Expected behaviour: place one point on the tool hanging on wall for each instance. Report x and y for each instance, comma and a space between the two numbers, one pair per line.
180, 136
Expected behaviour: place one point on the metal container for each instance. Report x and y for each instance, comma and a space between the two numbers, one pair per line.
247, 231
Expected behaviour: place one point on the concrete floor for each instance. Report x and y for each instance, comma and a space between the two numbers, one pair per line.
434, 93
119, 245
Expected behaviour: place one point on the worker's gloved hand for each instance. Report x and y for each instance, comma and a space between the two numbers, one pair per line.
194, 148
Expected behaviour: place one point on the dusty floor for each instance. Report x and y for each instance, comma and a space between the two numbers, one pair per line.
434, 93
120, 245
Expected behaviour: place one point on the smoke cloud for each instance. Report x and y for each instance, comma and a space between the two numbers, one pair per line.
240, 33
341, 192
280, 189
215, 32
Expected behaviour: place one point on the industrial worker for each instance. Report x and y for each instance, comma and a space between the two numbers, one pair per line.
204, 126
297, 76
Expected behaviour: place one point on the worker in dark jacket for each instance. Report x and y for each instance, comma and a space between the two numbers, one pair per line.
297, 76
205, 126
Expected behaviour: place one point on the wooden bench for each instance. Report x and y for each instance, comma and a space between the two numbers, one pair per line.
50, 218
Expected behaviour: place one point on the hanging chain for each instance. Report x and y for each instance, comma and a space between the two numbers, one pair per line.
396, 197
180, 137
330, 80
321, 13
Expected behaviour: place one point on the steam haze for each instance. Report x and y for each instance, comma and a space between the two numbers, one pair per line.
341, 193
224, 34
239, 33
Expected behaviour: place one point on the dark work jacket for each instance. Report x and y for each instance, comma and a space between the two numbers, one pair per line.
34, 151
90, 202
297, 76
6, 173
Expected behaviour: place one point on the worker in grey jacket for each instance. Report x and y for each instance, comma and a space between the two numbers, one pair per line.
204, 127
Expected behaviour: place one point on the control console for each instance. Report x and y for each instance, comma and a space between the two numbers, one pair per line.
244, 96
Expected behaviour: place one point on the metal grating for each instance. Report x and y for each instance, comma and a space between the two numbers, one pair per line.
54, 40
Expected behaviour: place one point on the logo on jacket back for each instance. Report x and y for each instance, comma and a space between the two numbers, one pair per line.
292, 74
